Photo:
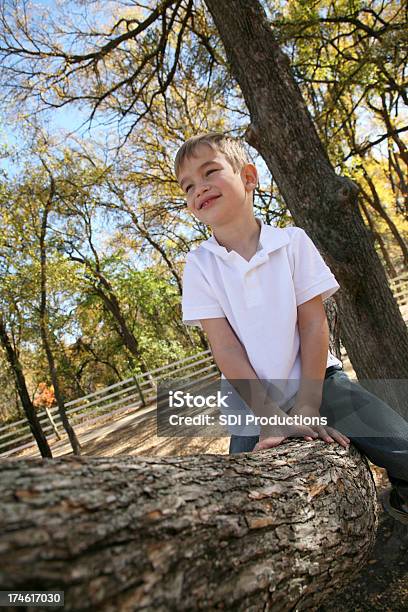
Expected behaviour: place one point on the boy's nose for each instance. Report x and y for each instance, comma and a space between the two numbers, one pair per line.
201, 189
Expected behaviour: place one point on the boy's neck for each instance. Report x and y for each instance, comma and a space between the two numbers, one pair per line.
240, 235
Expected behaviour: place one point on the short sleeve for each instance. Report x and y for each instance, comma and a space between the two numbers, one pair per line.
198, 300
311, 275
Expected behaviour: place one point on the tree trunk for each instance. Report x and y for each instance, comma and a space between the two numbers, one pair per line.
44, 325
324, 204
333, 321
29, 410
76, 447
276, 530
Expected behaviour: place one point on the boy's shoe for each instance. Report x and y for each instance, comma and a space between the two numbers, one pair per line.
392, 504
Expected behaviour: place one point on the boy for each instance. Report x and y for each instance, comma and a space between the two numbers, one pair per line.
257, 291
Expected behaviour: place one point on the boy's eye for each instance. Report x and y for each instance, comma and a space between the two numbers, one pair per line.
206, 174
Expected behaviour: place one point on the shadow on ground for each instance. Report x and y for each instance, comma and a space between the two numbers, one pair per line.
382, 585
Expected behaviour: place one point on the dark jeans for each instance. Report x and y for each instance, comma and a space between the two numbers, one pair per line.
350, 409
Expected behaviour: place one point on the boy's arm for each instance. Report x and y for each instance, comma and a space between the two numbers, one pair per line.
232, 359
314, 346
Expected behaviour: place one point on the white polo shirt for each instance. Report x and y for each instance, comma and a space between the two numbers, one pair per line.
260, 298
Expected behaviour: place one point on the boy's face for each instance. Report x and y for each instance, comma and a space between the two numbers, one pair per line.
215, 194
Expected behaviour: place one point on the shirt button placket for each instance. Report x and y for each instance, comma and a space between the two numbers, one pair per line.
251, 289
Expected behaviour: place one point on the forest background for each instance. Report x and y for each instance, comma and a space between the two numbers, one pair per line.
94, 227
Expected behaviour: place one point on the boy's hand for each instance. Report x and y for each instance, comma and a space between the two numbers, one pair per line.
276, 436
326, 433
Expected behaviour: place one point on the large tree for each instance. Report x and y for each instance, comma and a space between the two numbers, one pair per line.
372, 328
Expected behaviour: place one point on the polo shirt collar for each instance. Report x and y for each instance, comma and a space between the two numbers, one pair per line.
270, 239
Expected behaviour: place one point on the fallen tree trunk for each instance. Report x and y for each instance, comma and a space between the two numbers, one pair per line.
275, 530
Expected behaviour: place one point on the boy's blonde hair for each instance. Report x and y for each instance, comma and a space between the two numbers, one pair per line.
231, 148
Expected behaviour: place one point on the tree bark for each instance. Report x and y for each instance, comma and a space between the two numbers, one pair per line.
324, 204
333, 321
281, 529
21, 387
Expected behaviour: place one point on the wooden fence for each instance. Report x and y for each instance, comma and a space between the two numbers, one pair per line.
399, 287
131, 394
108, 403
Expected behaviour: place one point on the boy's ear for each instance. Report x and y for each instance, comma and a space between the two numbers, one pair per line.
249, 175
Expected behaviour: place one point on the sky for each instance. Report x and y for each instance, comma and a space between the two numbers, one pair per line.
64, 121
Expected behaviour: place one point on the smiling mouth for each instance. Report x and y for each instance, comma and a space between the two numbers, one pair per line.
207, 202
